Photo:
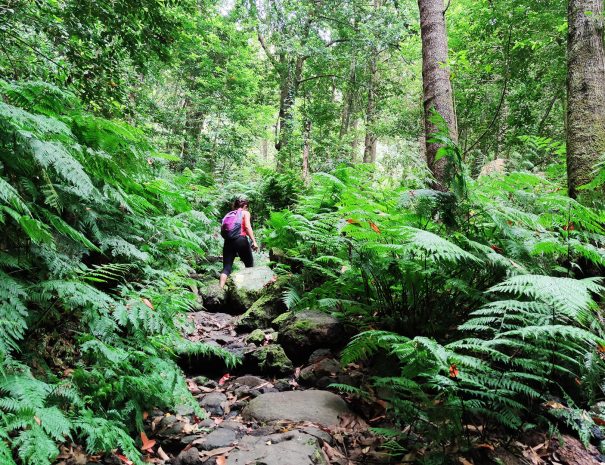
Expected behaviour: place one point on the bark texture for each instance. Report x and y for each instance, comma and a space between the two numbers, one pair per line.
369, 151
585, 91
437, 88
290, 74
306, 151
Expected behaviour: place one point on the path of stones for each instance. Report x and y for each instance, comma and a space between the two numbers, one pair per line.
266, 412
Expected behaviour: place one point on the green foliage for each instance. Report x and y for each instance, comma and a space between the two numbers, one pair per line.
82, 207
514, 355
506, 259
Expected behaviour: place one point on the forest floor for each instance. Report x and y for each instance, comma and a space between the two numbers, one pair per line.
267, 411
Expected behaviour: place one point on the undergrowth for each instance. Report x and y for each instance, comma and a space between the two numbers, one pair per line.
98, 242
486, 295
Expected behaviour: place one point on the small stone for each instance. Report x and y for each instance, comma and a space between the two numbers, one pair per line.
221, 437
201, 380
249, 380
241, 391
319, 354
282, 385
232, 425
207, 423
184, 410
189, 439
188, 457
212, 403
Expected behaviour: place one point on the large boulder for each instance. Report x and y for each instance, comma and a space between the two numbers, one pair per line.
321, 407
262, 312
302, 332
292, 448
269, 360
247, 285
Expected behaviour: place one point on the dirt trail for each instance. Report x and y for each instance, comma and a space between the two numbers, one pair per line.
262, 413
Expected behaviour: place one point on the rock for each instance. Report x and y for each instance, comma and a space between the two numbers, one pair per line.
282, 385
494, 167
249, 380
261, 313
184, 410
320, 407
319, 354
247, 285
213, 297
291, 448
171, 425
269, 360
302, 332
325, 368
190, 438
188, 457
256, 337
212, 403
221, 437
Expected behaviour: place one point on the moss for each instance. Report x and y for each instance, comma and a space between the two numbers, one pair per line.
256, 337
281, 318
273, 359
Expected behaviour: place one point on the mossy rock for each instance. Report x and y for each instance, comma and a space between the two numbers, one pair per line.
256, 337
213, 297
269, 360
262, 312
246, 286
303, 332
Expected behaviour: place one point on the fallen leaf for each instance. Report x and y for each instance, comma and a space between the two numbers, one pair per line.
598, 421
124, 459
484, 446
554, 405
374, 228
221, 460
147, 443
226, 376
463, 461
454, 371
147, 302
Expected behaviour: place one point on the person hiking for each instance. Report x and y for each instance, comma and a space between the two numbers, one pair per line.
236, 229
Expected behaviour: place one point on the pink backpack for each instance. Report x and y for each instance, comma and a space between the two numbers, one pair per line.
231, 226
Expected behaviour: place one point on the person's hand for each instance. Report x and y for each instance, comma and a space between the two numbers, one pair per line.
254, 246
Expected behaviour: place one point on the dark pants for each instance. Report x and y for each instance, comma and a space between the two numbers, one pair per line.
239, 247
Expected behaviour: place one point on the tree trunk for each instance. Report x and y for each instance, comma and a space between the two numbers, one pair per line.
437, 88
369, 151
355, 141
347, 108
585, 91
306, 151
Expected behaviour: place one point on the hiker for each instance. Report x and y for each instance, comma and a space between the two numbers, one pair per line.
236, 229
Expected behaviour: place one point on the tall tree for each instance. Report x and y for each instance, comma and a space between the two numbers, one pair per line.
585, 91
437, 87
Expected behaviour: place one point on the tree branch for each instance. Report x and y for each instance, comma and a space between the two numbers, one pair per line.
263, 44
